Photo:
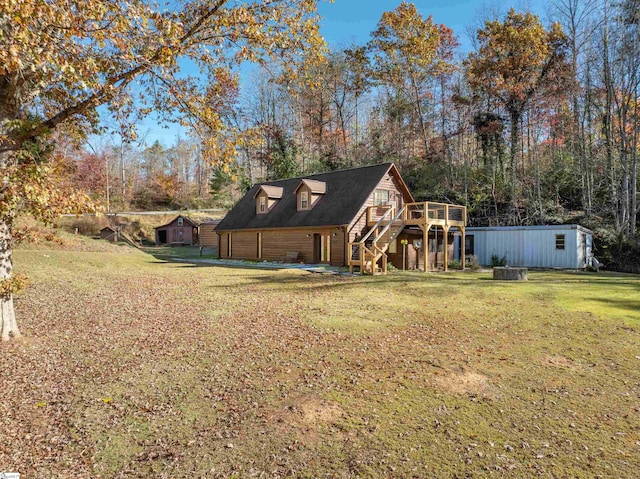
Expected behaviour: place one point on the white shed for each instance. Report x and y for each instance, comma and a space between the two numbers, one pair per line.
553, 246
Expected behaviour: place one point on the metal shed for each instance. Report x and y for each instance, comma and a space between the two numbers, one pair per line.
552, 246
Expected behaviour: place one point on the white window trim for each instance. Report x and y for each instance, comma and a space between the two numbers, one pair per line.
381, 201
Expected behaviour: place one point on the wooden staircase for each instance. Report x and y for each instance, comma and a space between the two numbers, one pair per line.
370, 253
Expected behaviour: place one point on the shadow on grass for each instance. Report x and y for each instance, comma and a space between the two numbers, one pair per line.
170, 254
626, 304
189, 257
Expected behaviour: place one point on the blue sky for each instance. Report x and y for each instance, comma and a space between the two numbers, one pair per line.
351, 21
347, 22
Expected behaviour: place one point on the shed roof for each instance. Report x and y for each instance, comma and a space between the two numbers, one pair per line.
346, 193
186, 220
471, 229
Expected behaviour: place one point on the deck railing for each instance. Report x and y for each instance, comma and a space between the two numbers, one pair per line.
440, 213
426, 211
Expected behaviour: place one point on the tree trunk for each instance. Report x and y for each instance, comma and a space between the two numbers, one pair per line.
8, 324
419, 113
634, 171
515, 116
608, 131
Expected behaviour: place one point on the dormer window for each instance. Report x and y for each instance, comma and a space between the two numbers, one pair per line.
309, 192
266, 198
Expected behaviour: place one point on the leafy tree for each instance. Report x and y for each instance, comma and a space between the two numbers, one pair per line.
409, 52
280, 159
219, 182
60, 60
517, 61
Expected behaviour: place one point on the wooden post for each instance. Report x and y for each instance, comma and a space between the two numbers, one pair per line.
404, 252
425, 253
445, 247
425, 246
463, 246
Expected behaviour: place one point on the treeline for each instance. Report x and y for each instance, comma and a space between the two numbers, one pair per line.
538, 124
124, 176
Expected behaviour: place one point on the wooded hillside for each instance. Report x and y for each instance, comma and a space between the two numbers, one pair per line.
538, 124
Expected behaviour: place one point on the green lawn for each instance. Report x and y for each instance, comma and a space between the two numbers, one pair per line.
135, 367
172, 253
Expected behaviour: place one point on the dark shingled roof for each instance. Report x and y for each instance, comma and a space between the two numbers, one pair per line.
347, 191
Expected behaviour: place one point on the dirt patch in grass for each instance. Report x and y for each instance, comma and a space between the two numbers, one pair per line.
466, 382
308, 415
560, 362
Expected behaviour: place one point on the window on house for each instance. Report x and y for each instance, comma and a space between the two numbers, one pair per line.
262, 207
304, 200
180, 221
381, 197
559, 241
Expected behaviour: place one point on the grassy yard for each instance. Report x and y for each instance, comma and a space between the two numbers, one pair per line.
174, 253
134, 367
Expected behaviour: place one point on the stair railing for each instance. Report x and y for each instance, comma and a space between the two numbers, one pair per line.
376, 226
388, 225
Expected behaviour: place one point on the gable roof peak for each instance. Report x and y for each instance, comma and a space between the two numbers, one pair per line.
273, 192
316, 186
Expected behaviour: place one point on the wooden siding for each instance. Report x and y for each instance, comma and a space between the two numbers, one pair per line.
208, 236
222, 248
243, 245
338, 247
275, 244
177, 234
389, 183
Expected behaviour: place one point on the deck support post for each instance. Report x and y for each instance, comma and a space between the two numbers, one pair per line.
445, 248
425, 246
463, 252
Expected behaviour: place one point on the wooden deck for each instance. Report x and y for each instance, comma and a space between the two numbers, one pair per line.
385, 223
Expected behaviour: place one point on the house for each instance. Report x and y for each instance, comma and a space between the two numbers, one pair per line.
551, 246
179, 231
357, 218
207, 234
110, 233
